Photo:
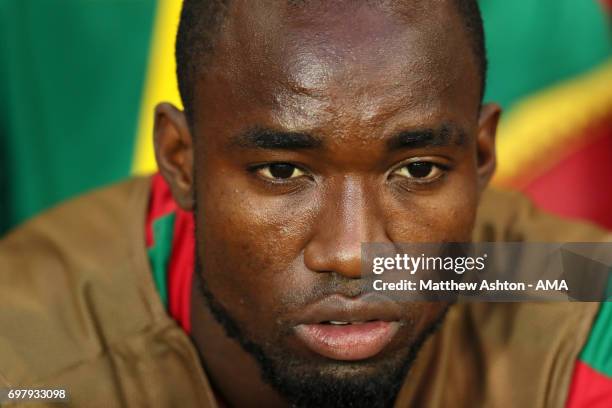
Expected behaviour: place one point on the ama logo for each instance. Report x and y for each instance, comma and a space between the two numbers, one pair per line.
552, 285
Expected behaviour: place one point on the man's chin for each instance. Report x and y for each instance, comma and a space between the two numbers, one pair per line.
331, 383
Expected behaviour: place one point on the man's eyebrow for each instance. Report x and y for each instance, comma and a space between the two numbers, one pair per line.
263, 138
420, 138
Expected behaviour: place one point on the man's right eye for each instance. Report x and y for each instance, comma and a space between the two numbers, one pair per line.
279, 171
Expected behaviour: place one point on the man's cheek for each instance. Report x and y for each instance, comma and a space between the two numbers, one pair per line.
437, 218
244, 255
453, 223
253, 287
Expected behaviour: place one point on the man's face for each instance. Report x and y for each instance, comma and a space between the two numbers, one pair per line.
319, 127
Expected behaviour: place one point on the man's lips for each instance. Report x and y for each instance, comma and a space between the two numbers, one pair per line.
356, 341
349, 329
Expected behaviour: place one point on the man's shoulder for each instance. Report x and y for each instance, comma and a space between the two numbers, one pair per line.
89, 232
509, 216
104, 210
495, 354
60, 301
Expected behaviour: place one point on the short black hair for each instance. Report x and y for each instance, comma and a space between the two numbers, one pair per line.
201, 21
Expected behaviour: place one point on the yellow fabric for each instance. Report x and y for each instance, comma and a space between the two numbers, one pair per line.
160, 83
546, 124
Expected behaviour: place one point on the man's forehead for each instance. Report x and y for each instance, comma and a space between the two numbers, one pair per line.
309, 56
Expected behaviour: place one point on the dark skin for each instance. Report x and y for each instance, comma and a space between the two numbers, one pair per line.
306, 130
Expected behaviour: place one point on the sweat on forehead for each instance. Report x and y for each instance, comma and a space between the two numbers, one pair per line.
330, 42
203, 22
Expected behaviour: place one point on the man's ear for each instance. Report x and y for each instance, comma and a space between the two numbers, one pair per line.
485, 143
174, 152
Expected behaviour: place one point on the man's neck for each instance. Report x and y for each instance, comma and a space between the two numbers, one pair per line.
234, 374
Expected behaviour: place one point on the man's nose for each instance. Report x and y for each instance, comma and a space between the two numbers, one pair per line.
349, 217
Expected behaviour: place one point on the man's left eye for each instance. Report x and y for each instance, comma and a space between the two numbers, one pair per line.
280, 171
419, 170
